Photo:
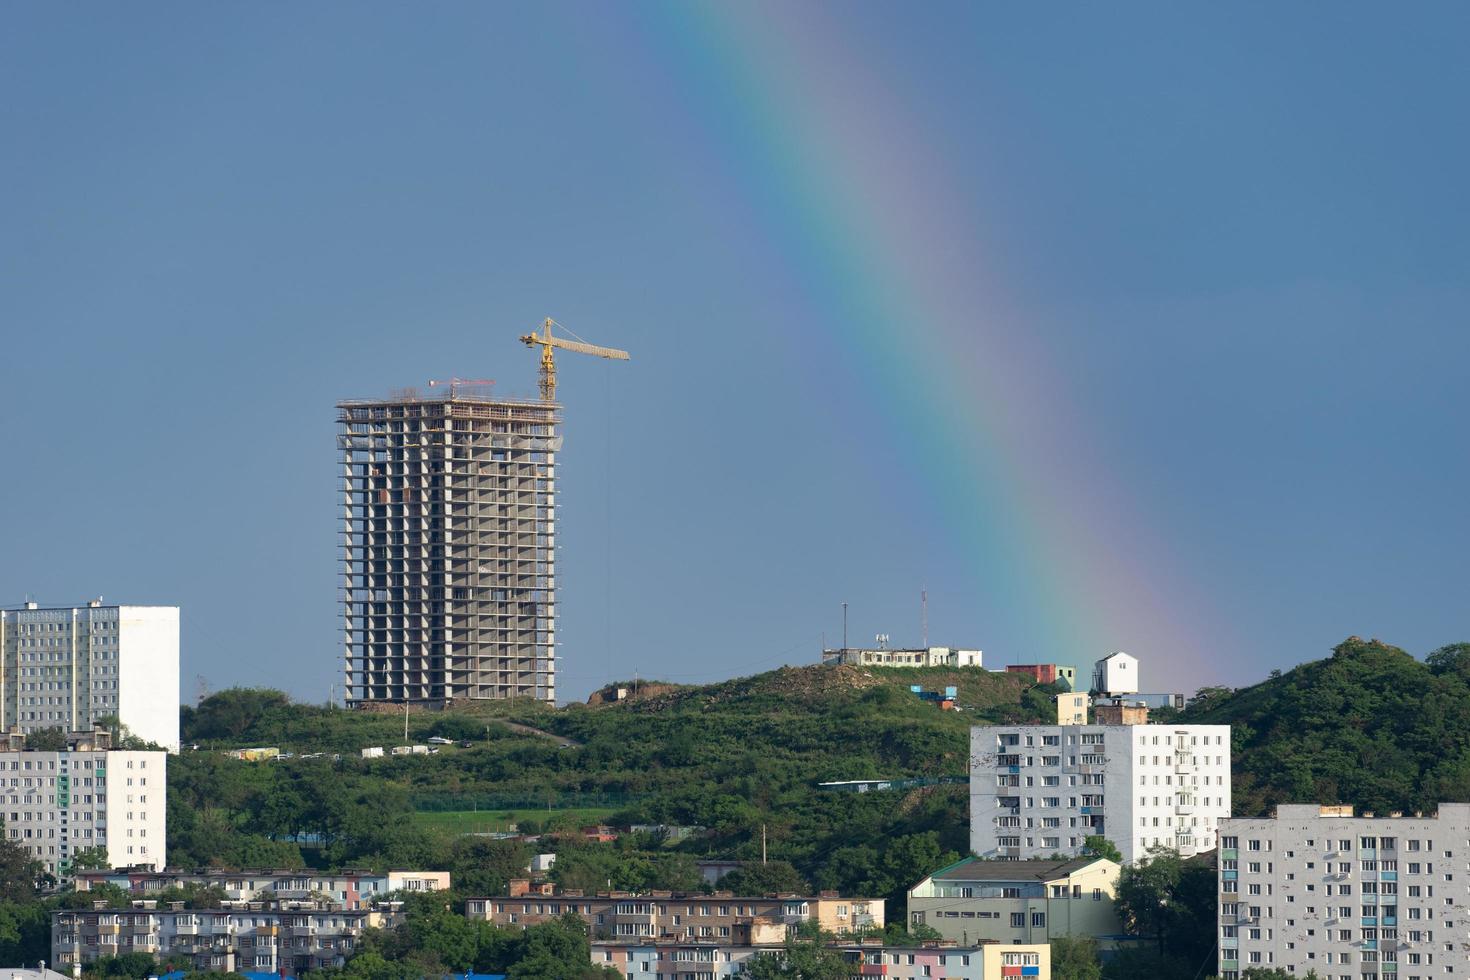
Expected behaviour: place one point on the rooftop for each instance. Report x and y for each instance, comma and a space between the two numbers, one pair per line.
976, 869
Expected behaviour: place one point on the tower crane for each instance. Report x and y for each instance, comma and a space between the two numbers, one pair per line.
548, 343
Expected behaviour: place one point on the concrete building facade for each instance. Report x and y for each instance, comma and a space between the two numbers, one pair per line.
278, 937
916, 657
58, 803
719, 916
1316, 888
71, 667
925, 961
351, 890
1040, 790
975, 901
449, 548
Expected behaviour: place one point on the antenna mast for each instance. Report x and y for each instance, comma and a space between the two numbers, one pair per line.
924, 616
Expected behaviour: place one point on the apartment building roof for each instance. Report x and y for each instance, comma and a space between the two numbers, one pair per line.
976, 869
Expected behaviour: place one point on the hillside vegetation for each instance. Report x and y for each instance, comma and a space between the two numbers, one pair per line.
1370, 726
735, 758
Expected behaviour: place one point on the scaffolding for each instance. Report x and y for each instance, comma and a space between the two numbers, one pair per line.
449, 548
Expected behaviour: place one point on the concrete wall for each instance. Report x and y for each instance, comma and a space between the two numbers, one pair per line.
148, 674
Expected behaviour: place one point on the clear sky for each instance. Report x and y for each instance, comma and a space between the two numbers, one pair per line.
1140, 327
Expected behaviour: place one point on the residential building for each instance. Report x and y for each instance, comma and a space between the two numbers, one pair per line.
274, 937
668, 960
1047, 673
916, 657
449, 548
1316, 888
72, 667
1117, 673
1072, 709
976, 901
1042, 790
58, 803
720, 916
350, 889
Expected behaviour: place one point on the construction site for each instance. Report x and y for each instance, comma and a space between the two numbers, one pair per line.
449, 540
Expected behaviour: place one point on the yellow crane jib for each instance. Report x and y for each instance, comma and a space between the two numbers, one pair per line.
548, 343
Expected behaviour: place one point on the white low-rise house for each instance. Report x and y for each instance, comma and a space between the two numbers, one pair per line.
1316, 888
916, 657
71, 667
1117, 673
58, 803
1041, 790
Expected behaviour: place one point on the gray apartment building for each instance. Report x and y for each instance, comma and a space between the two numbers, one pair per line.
1318, 888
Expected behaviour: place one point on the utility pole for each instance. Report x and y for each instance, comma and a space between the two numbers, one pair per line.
924, 605
844, 626
405, 719
763, 843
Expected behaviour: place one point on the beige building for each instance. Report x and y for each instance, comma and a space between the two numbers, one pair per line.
975, 901
1072, 709
284, 937
720, 916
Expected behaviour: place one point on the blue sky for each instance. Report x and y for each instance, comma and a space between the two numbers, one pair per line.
1236, 235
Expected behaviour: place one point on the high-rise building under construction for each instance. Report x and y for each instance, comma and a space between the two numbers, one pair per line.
449, 547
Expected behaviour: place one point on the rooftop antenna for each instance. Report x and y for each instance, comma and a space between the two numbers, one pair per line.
924, 616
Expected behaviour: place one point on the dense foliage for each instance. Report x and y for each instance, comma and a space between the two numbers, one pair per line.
738, 759
1370, 726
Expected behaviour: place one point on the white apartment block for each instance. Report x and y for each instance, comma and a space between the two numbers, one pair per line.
69, 668
55, 804
1315, 888
1040, 790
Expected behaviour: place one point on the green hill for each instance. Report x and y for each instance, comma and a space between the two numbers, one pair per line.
736, 758
1370, 726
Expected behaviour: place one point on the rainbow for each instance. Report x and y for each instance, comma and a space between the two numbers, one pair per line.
865, 207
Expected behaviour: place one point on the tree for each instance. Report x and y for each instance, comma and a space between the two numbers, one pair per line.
1074, 958
800, 960
1170, 900
89, 858
46, 740
771, 878
21, 876
1099, 846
